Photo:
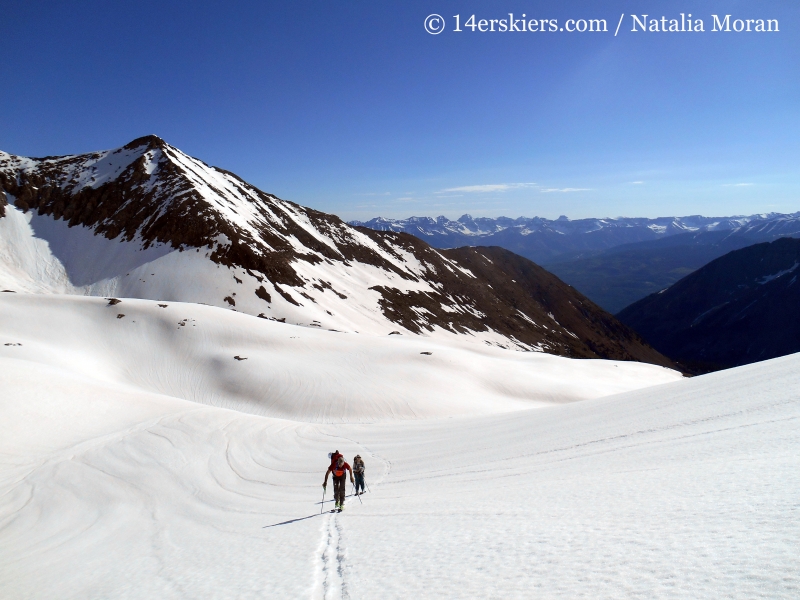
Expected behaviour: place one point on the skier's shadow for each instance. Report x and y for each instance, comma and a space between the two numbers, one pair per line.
303, 518
293, 520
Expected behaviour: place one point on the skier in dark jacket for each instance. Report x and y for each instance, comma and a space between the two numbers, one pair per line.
339, 481
358, 471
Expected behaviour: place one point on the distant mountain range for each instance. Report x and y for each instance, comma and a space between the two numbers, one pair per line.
738, 309
617, 277
612, 261
147, 221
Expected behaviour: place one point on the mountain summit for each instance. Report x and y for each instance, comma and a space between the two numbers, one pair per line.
148, 221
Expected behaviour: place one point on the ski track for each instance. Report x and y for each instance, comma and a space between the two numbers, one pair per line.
331, 556
331, 582
686, 491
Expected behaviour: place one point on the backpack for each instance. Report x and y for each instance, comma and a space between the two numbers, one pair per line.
339, 472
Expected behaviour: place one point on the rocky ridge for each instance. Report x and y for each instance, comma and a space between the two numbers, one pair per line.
197, 233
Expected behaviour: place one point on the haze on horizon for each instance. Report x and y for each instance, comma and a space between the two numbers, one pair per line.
355, 110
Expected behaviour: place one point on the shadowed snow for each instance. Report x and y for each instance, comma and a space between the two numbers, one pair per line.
187, 351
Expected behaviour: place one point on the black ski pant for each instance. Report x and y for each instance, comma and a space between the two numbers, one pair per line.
338, 489
359, 481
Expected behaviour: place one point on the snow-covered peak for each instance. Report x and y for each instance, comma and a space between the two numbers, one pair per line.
484, 226
147, 220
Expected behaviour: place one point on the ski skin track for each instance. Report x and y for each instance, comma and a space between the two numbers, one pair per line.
330, 582
331, 564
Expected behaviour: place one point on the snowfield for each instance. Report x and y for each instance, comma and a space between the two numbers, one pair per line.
140, 459
148, 221
39, 254
300, 373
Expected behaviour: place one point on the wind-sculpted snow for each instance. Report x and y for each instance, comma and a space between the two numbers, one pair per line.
682, 490
148, 221
304, 374
686, 490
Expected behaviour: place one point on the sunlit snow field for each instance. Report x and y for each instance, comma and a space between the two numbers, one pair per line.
140, 459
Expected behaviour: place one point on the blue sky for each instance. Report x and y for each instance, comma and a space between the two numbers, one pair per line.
350, 107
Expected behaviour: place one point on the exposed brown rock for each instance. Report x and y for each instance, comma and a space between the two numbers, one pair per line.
161, 204
577, 327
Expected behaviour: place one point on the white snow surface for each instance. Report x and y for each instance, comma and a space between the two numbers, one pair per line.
126, 473
300, 373
43, 255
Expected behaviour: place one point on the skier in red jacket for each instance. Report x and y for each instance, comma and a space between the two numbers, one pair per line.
339, 481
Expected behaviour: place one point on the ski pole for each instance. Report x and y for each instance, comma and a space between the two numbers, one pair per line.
356, 494
321, 506
366, 484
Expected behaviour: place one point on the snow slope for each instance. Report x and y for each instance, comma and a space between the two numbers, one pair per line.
43, 255
148, 221
187, 351
113, 489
